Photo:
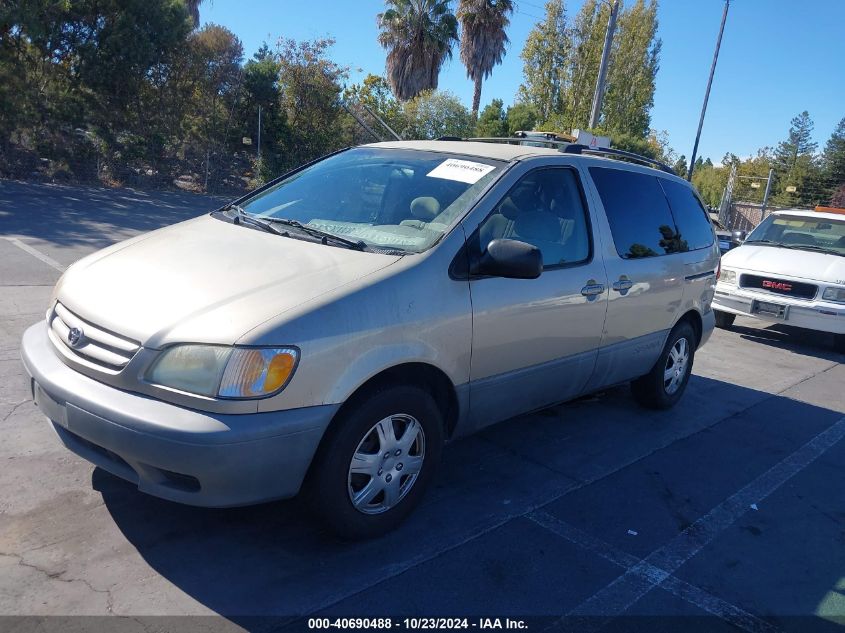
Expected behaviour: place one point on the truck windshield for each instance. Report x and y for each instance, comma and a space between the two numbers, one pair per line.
394, 199
801, 232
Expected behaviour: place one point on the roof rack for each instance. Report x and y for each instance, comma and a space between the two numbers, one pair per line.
567, 147
574, 148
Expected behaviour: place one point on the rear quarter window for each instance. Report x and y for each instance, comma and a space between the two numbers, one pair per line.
691, 218
638, 213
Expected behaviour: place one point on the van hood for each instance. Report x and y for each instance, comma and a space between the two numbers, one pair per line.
774, 260
205, 280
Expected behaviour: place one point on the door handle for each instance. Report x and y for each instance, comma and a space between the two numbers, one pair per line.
623, 285
592, 290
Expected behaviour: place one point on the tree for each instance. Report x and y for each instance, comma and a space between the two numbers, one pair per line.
680, 166
483, 39
309, 91
194, 11
418, 36
633, 70
521, 117
493, 120
433, 114
374, 92
833, 161
585, 56
795, 164
544, 63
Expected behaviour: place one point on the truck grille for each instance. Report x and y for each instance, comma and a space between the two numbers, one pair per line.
75, 336
785, 287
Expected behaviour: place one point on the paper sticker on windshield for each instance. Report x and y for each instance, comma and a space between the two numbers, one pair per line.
460, 170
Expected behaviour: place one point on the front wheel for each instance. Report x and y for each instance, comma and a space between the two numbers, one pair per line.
376, 461
724, 320
664, 385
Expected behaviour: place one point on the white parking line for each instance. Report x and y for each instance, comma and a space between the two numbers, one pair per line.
648, 575
37, 254
628, 588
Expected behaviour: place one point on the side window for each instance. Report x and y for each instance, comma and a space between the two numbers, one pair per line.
545, 209
691, 219
639, 216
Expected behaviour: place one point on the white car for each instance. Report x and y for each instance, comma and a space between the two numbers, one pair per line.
790, 270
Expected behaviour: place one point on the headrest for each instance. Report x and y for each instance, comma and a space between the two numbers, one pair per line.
537, 225
508, 209
425, 208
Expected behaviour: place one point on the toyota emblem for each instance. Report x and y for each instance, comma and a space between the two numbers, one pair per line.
74, 336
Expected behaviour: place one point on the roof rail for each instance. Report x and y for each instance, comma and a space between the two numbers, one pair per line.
574, 148
567, 147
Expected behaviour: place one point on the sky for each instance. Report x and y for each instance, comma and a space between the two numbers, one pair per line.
778, 58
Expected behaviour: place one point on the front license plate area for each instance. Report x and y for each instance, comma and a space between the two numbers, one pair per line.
773, 310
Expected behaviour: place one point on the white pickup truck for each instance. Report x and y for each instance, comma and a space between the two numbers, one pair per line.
791, 269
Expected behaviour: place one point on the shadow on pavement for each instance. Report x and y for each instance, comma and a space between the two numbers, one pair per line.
603, 465
810, 342
95, 216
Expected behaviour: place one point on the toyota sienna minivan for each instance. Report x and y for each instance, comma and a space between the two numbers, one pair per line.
331, 330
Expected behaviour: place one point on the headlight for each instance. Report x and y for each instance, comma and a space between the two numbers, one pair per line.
834, 294
727, 276
225, 372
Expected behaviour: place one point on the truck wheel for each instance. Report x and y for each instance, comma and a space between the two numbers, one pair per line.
376, 461
724, 320
664, 385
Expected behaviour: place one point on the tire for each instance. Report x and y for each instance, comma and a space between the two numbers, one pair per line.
839, 343
387, 487
724, 320
662, 387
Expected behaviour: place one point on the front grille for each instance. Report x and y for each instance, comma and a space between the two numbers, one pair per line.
784, 287
95, 345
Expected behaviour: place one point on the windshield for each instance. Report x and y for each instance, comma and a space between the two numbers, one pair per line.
386, 198
802, 232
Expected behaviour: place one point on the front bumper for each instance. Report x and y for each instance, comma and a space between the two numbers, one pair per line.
187, 456
822, 316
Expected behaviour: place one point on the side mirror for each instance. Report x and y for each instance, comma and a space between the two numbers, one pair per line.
739, 236
509, 258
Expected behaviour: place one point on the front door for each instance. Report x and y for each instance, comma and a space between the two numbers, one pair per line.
535, 340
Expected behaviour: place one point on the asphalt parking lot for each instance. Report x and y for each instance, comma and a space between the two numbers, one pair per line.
728, 510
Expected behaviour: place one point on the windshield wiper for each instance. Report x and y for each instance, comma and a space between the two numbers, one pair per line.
325, 236
244, 217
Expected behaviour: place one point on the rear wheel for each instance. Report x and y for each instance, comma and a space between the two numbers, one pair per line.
664, 385
377, 461
724, 320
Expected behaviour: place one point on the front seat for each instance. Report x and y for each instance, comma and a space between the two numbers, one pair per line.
541, 229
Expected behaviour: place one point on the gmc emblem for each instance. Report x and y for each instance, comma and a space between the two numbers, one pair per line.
777, 285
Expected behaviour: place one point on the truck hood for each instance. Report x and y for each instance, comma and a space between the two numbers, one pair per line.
794, 263
205, 280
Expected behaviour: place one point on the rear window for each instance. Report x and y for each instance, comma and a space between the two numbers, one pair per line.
691, 219
638, 213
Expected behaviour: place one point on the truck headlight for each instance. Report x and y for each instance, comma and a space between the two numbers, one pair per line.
834, 294
727, 276
225, 372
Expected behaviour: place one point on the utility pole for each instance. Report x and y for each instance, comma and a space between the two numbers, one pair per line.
598, 97
707, 92
766, 195
259, 132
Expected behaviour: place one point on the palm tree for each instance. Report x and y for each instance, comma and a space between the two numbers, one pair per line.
194, 11
418, 36
483, 39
